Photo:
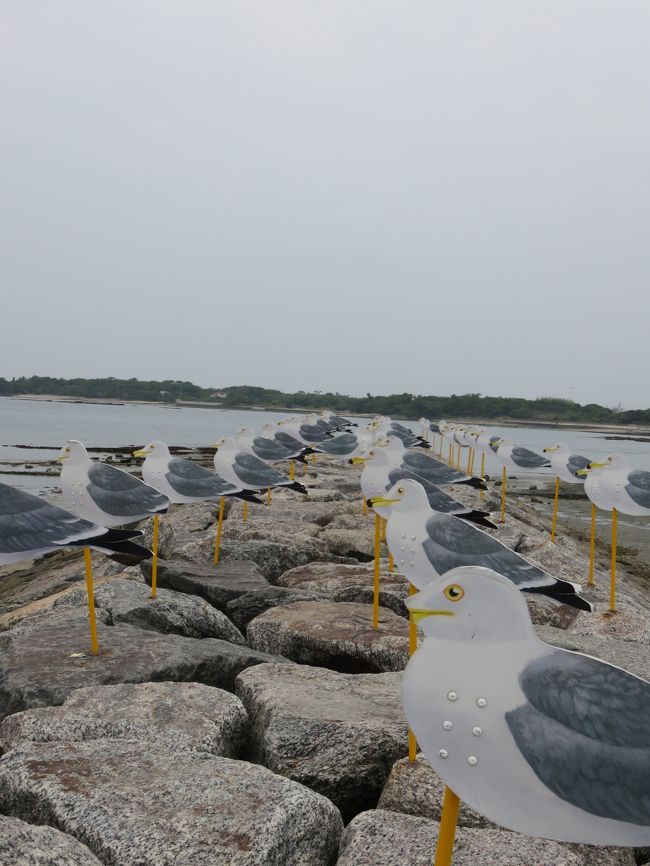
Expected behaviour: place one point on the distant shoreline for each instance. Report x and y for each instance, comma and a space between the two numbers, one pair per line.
629, 431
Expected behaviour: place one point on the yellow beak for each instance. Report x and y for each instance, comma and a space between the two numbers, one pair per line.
595, 465
141, 452
381, 501
419, 613
61, 458
549, 449
358, 459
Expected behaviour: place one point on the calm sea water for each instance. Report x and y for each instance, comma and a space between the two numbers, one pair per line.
50, 424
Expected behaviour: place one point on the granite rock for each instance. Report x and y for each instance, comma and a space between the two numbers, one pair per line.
177, 716
336, 733
23, 844
138, 805
217, 585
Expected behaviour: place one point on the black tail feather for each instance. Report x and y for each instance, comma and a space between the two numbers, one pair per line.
297, 486
126, 552
478, 483
249, 496
108, 539
570, 598
481, 518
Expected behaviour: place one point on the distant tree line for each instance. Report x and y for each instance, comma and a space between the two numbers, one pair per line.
405, 405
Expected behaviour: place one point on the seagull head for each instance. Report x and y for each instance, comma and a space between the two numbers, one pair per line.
375, 457
404, 496
73, 453
560, 448
615, 461
471, 603
225, 444
155, 449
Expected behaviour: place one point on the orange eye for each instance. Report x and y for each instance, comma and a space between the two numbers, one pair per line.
454, 592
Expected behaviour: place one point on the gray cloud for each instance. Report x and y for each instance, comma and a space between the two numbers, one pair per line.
356, 196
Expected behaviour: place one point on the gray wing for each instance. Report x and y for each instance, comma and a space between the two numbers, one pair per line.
28, 523
339, 445
433, 470
638, 487
576, 462
289, 441
493, 443
434, 427
406, 437
585, 734
256, 473
454, 542
313, 433
438, 499
528, 459
118, 493
269, 449
190, 479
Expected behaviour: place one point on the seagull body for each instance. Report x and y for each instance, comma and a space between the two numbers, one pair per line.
626, 488
434, 471
277, 434
345, 446
105, 494
248, 471
307, 434
518, 458
594, 489
183, 481
426, 544
566, 465
379, 475
540, 740
30, 527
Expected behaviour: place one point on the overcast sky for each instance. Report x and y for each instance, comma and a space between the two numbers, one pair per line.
348, 195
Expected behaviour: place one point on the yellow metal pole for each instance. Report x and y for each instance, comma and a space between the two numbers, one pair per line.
458, 458
364, 505
555, 504
482, 492
292, 470
94, 645
217, 545
592, 545
504, 477
154, 561
612, 583
375, 598
391, 562
269, 496
469, 462
447, 830
245, 512
413, 645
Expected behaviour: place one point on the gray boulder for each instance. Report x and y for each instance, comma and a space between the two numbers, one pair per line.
217, 585
381, 838
40, 664
169, 613
245, 608
23, 844
336, 733
138, 805
336, 635
177, 716
631, 656
349, 583
414, 788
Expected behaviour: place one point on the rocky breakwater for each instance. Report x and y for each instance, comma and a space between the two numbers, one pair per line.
251, 711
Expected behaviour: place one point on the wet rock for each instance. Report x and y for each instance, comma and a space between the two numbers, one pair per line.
176, 716
336, 733
217, 585
170, 612
38, 666
23, 844
245, 608
335, 635
136, 804
382, 838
